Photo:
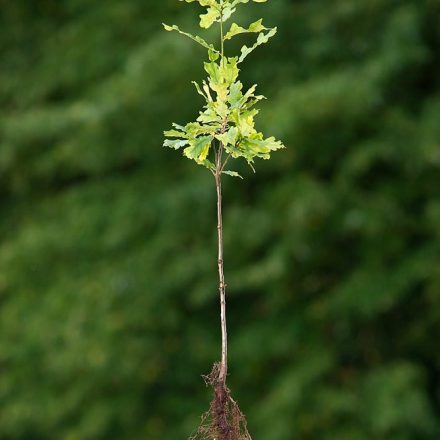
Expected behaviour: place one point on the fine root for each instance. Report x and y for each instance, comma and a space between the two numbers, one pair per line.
223, 420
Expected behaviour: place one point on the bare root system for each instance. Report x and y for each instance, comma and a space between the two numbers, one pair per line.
223, 420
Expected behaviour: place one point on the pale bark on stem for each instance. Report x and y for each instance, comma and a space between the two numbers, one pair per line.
222, 284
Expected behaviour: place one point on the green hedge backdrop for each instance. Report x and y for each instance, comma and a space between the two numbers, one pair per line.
108, 283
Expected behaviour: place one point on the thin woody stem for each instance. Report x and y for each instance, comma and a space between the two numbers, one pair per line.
222, 285
226, 162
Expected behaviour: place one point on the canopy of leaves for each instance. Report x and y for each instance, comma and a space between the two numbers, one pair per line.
108, 288
228, 117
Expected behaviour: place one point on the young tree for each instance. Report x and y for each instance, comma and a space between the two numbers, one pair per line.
224, 130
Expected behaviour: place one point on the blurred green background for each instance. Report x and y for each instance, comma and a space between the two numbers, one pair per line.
108, 282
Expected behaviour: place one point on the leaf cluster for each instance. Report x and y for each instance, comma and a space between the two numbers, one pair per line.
227, 121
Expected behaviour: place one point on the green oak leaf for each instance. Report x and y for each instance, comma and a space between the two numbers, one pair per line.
213, 70
209, 116
235, 95
227, 12
233, 174
208, 19
230, 137
175, 143
255, 27
261, 39
260, 147
213, 54
245, 121
195, 38
173, 133
200, 92
199, 148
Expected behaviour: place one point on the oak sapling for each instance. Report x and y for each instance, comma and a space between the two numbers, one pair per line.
225, 130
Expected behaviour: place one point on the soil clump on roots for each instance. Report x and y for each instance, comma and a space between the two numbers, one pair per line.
223, 420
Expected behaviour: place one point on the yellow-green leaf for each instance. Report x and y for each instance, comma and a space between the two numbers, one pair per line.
228, 138
233, 174
199, 148
195, 38
262, 39
257, 26
208, 19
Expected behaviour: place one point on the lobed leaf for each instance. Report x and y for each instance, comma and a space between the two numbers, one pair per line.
235, 29
208, 19
262, 39
227, 12
195, 38
230, 137
199, 148
245, 121
209, 116
173, 133
200, 92
232, 173
176, 143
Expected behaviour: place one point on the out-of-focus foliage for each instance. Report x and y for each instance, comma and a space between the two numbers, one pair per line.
109, 308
